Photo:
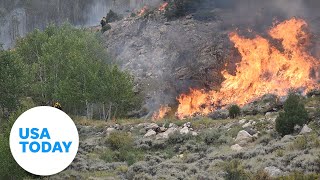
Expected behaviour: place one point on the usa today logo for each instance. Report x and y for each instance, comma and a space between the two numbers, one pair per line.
44, 140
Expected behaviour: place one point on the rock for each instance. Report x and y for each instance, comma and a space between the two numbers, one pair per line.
194, 133
250, 130
165, 135
271, 116
172, 125
246, 125
236, 147
188, 125
110, 130
184, 130
273, 171
189, 17
297, 129
150, 133
243, 137
305, 130
314, 92
117, 127
219, 114
287, 138
242, 121
162, 129
152, 126
266, 103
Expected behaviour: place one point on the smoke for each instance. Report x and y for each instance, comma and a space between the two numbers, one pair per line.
97, 10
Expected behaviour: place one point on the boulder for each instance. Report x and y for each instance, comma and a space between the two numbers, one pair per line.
152, 126
287, 138
297, 129
184, 130
188, 125
305, 130
243, 137
219, 114
165, 135
172, 125
150, 133
273, 171
242, 121
194, 133
110, 130
248, 124
271, 116
236, 147
266, 103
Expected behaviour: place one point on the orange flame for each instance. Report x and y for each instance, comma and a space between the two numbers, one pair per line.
163, 6
163, 111
263, 69
143, 11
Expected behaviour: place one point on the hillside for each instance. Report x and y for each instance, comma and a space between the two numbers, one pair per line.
200, 148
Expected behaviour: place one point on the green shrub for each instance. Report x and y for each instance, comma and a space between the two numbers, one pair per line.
234, 171
261, 175
233, 132
234, 111
107, 155
177, 138
294, 114
9, 169
120, 140
213, 137
129, 155
299, 176
300, 143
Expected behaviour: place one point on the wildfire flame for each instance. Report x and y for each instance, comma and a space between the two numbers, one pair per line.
143, 11
263, 69
163, 111
163, 6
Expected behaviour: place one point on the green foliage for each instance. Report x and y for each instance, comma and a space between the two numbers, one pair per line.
213, 137
299, 176
300, 143
261, 175
234, 171
177, 138
119, 140
9, 169
294, 114
234, 111
11, 80
121, 144
71, 66
233, 132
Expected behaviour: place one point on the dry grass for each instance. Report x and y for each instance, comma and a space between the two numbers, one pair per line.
197, 123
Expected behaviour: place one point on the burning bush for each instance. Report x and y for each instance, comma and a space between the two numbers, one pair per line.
294, 114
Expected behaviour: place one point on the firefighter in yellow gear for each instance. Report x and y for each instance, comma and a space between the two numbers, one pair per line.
57, 105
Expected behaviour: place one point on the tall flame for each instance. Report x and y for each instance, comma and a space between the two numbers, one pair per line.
143, 11
263, 69
163, 111
163, 6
